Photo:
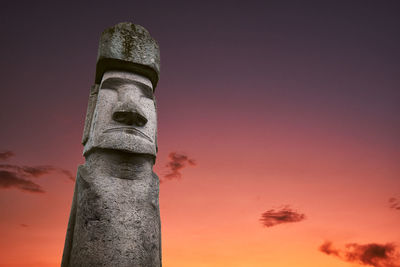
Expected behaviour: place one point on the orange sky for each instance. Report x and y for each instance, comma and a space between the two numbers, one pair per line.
210, 216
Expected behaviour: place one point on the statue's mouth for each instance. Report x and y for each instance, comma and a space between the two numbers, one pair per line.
129, 130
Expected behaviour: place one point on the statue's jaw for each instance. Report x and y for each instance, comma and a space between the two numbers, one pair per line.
127, 140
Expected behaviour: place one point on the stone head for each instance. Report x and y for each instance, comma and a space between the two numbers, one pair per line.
121, 112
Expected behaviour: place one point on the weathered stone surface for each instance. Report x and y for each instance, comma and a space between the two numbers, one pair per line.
115, 218
94, 90
128, 47
125, 115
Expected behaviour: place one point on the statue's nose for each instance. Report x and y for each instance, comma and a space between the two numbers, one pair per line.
129, 116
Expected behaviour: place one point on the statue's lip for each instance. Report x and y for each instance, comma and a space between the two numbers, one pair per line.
129, 130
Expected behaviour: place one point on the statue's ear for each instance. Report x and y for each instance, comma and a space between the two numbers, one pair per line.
155, 106
94, 90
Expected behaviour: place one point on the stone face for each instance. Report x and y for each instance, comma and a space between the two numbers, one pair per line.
125, 115
114, 219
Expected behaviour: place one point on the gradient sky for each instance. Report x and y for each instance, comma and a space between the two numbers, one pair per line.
284, 106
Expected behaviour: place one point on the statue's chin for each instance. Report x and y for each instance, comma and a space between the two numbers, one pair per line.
126, 142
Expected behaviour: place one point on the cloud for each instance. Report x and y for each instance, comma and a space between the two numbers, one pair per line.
176, 164
284, 215
394, 203
6, 155
373, 254
23, 225
36, 171
328, 249
19, 177
10, 179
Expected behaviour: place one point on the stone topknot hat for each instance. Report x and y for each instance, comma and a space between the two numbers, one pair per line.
128, 47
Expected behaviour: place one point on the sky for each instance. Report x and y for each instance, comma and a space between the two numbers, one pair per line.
278, 129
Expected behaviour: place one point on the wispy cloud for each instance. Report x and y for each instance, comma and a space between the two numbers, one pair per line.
373, 254
394, 203
19, 177
274, 217
6, 155
176, 163
327, 248
36, 171
11, 179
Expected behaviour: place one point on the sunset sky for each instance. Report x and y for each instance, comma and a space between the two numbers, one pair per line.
283, 116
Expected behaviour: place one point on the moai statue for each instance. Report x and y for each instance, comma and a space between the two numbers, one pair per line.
115, 218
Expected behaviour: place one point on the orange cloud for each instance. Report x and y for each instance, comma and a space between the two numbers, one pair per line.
10, 179
285, 215
394, 203
14, 176
372, 254
176, 164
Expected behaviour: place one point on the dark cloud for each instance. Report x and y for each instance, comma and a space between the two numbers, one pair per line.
394, 203
328, 249
36, 171
285, 215
176, 164
372, 254
23, 225
15, 176
6, 155
10, 179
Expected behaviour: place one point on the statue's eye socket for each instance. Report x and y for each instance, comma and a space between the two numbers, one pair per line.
147, 93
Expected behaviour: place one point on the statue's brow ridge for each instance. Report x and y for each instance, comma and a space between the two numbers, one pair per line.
114, 83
